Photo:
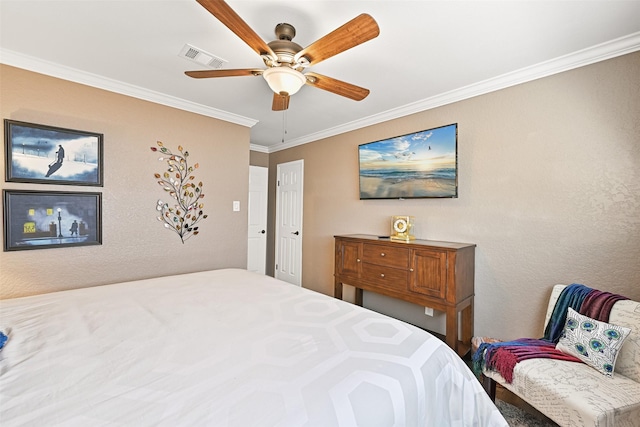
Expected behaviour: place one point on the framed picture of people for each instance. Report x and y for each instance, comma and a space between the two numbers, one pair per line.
51, 219
51, 155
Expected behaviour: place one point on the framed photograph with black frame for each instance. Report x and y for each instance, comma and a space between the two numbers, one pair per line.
50, 219
50, 155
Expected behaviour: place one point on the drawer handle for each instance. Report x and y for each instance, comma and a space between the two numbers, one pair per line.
411, 269
381, 275
358, 260
382, 254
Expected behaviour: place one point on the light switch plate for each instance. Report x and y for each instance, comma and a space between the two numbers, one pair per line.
236, 206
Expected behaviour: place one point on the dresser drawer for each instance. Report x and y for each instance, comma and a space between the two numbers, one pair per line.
387, 255
388, 277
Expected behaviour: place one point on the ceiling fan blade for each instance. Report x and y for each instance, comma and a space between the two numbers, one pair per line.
205, 74
360, 29
280, 102
338, 87
232, 20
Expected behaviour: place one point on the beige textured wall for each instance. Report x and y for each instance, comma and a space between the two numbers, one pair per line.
549, 190
257, 158
135, 245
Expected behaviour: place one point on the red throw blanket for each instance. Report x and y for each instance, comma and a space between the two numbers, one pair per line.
502, 357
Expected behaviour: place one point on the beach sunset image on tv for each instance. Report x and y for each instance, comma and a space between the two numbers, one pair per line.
417, 165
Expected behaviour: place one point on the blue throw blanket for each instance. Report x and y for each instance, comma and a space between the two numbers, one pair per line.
572, 296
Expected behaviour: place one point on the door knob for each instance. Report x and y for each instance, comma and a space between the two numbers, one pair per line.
295, 232
262, 232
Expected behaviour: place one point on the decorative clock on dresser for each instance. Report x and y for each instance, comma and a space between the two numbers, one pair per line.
429, 273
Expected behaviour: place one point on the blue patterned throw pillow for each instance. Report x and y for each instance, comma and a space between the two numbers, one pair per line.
595, 343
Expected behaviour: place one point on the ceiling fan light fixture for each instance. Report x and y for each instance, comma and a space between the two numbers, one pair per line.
284, 80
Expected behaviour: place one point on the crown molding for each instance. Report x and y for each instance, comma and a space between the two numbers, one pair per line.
581, 58
37, 65
259, 148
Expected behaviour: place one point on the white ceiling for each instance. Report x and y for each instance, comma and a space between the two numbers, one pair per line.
428, 53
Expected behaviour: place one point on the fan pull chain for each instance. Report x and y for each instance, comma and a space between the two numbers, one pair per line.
284, 124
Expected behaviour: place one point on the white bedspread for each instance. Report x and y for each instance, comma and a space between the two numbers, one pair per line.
225, 348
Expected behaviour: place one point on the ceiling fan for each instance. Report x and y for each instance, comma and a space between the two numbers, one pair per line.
285, 59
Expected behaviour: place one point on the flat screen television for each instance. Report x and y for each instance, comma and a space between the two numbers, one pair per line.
416, 165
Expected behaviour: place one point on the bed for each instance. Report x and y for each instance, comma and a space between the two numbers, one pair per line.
225, 348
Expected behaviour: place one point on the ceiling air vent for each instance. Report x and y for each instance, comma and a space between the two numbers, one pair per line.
207, 59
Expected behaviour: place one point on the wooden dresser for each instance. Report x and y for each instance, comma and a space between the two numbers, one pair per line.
432, 274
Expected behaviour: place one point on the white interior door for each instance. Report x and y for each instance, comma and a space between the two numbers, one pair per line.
257, 213
289, 222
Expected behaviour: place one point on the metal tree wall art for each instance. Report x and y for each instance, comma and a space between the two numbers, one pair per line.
185, 214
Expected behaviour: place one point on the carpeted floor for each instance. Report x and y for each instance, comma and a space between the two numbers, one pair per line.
517, 417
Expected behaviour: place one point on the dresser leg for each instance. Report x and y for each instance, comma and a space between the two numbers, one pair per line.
337, 290
451, 337
359, 299
467, 326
